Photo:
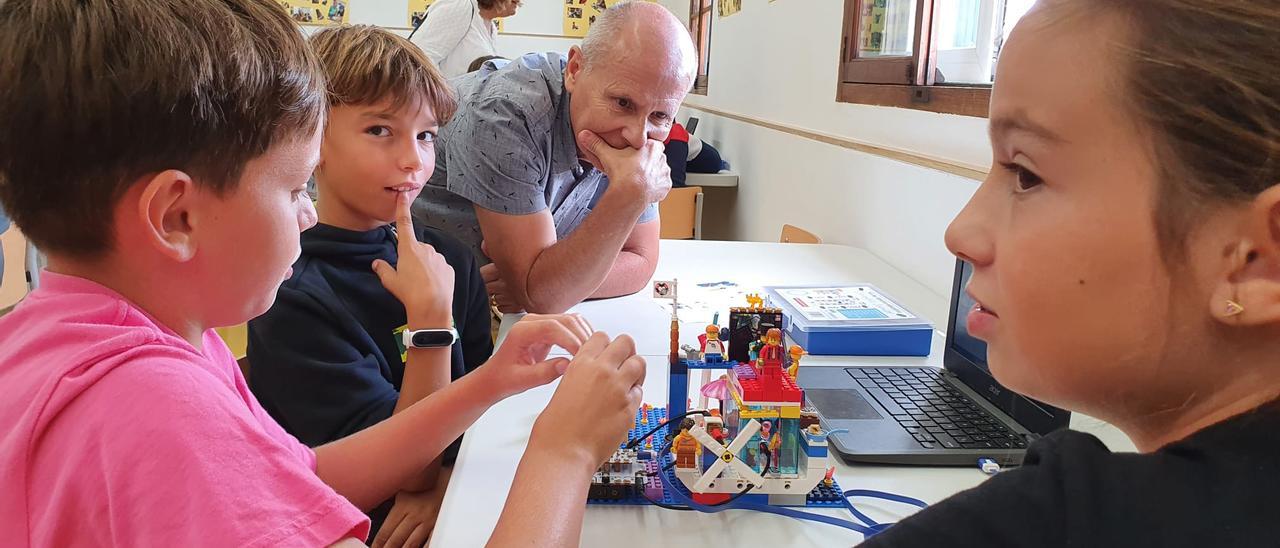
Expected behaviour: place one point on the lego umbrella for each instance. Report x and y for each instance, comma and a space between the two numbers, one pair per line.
717, 389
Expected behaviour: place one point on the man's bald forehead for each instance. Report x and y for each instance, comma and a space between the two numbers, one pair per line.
640, 28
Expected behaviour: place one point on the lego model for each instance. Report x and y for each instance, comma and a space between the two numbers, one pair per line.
758, 443
766, 454
762, 449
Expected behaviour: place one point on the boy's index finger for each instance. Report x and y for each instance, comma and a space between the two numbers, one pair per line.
404, 217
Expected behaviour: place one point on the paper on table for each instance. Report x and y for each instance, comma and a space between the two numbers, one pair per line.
701, 301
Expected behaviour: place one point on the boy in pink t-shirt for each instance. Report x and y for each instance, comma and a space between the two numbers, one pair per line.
158, 152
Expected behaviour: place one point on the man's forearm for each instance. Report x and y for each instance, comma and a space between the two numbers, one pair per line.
573, 269
371, 465
630, 273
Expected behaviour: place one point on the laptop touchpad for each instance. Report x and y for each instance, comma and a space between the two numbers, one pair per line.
841, 404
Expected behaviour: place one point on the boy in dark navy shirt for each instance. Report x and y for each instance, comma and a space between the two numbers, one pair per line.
329, 358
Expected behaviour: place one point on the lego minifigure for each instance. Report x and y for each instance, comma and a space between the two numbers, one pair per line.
772, 351
685, 446
796, 353
717, 433
712, 348
775, 442
768, 447
754, 349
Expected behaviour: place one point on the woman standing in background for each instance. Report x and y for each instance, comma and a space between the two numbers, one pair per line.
456, 32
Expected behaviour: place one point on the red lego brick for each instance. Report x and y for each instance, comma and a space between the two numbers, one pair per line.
710, 498
794, 395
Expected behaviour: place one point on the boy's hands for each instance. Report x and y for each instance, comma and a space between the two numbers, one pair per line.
422, 280
411, 519
521, 363
595, 405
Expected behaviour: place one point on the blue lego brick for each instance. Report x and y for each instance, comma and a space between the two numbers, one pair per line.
827, 497
754, 499
699, 364
816, 451
820, 497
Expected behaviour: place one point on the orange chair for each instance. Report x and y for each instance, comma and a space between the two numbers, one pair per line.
14, 285
681, 214
796, 235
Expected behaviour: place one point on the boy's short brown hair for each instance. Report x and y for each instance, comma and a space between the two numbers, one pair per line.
98, 93
366, 65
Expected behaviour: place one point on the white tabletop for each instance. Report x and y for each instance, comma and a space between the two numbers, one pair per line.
492, 447
726, 179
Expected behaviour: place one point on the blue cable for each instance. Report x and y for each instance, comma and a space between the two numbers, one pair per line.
859, 515
868, 493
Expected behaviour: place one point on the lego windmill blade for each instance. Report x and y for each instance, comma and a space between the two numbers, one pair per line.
699, 433
727, 456
742, 439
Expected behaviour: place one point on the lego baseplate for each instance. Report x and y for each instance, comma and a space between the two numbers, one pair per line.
621, 488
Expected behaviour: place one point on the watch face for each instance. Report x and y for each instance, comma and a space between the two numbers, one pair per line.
432, 339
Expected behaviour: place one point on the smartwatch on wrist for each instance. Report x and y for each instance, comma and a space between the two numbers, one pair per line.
429, 338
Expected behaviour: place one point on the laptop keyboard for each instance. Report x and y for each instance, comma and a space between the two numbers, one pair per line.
933, 411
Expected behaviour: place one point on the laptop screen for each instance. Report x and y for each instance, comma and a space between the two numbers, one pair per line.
966, 357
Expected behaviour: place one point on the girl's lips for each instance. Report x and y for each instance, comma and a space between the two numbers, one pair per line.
981, 322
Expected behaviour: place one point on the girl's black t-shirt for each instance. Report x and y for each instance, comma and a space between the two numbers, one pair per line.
1218, 487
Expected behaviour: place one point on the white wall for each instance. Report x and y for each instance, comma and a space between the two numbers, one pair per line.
542, 17
895, 210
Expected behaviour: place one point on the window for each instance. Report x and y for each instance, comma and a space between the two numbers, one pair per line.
937, 55
700, 30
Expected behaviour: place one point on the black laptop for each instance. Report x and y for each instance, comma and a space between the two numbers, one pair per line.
926, 415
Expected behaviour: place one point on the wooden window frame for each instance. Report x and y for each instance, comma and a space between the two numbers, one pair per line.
905, 81
699, 11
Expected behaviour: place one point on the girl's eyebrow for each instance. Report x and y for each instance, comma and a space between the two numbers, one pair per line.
1020, 122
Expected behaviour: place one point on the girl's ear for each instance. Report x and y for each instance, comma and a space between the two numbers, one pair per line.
1249, 294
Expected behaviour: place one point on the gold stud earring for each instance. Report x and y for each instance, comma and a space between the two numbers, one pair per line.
1233, 308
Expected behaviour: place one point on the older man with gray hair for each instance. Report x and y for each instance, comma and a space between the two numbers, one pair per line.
552, 166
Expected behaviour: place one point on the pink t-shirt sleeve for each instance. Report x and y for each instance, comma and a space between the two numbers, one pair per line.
219, 352
159, 452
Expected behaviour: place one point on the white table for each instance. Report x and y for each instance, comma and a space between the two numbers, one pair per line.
724, 179
492, 448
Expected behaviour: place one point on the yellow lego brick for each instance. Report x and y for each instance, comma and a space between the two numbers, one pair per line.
761, 414
790, 412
